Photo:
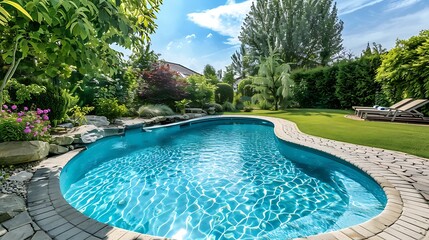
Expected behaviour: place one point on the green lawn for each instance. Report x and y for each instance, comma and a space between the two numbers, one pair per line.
332, 124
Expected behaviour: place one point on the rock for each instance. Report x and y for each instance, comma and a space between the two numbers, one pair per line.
10, 206
56, 149
22, 152
18, 221
2, 231
21, 176
62, 140
90, 137
66, 125
23, 232
41, 235
98, 121
86, 134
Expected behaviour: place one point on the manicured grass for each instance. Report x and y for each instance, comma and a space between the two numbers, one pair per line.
332, 124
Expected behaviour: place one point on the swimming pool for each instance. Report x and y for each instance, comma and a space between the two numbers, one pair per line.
218, 178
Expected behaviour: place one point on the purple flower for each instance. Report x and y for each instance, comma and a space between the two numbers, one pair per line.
5, 106
9, 111
39, 111
45, 111
27, 130
2, 110
19, 119
14, 107
37, 121
45, 117
25, 108
21, 114
45, 129
49, 126
31, 126
35, 133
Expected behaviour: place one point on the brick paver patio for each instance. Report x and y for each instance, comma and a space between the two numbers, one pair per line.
404, 178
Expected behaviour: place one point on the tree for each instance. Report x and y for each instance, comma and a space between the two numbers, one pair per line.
200, 90
76, 33
228, 76
210, 74
5, 15
273, 80
307, 33
241, 63
161, 86
404, 69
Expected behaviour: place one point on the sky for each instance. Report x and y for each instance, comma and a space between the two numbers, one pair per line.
199, 32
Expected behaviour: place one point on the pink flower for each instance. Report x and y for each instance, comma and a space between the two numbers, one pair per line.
45, 117
45, 129
21, 114
45, 111
39, 111
27, 130
5, 106
35, 133
49, 126
2, 110
28, 123
14, 107
25, 108
37, 121
9, 111
19, 119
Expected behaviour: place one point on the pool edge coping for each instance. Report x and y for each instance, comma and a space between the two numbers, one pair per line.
383, 226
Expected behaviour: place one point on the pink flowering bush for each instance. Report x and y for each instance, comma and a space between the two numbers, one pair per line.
24, 125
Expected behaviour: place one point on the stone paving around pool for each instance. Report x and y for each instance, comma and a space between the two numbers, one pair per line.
404, 178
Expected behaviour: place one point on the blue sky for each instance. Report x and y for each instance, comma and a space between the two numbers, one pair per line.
199, 32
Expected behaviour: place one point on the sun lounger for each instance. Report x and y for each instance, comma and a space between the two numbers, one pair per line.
407, 110
394, 106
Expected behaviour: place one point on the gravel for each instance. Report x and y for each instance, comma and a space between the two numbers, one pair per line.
8, 186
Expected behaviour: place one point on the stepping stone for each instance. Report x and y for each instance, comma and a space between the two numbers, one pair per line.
23, 232
10, 206
21, 176
40, 235
18, 221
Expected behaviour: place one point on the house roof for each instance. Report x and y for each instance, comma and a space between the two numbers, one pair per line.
182, 70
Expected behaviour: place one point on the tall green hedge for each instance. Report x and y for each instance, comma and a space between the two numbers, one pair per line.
342, 85
224, 93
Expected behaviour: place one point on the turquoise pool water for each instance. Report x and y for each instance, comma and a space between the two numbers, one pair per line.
224, 179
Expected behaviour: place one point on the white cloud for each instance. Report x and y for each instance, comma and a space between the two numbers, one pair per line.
401, 4
210, 35
350, 6
169, 45
225, 20
386, 33
190, 37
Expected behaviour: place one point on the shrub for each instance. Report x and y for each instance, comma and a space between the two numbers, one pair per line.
238, 103
77, 114
181, 105
110, 108
150, 111
228, 107
59, 101
23, 125
200, 90
247, 106
264, 105
224, 93
218, 108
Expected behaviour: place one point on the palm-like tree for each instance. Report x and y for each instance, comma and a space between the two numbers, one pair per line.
273, 80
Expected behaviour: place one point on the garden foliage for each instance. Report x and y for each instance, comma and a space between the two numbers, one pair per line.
24, 124
224, 93
154, 110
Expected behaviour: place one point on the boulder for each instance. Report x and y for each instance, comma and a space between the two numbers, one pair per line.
90, 137
65, 125
57, 149
21, 176
10, 206
18, 221
86, 134
62, 140
98, 121
22, 152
